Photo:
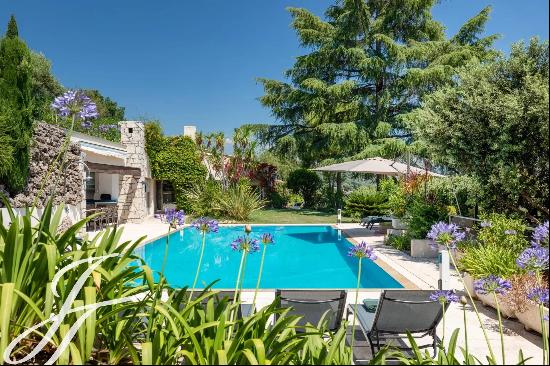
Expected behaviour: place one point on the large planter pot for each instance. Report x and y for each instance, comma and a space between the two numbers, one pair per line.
421, 248
469, 284
398, 224
530, 318
489, 300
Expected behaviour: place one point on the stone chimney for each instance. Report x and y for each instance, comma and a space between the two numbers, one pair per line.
190, 131
132, 201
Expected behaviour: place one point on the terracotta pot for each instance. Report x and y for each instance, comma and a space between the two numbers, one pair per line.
530, 318
489, 300
469, 284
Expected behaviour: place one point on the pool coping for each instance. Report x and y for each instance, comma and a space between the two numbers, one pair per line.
388, 268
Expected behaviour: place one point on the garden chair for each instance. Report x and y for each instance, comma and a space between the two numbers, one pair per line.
397, 313
313, 305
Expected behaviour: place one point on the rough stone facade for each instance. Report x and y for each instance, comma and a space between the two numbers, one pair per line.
132, 201
65, 185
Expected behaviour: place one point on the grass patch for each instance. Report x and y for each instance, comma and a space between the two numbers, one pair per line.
289, 216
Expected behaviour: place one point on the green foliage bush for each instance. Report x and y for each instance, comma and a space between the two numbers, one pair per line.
484, 260
495, 235
280, 196
305, 182
176, 160
421, 216
366, 201
493, 124
238, 201
203, 196
399, 242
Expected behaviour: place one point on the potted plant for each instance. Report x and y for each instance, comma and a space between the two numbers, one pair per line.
526, 310
480, 261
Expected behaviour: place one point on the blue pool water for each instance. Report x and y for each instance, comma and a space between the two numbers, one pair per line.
302, 257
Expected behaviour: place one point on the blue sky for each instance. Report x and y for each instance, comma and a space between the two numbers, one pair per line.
195, 62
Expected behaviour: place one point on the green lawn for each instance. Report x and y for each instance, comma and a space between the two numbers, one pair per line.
286, 216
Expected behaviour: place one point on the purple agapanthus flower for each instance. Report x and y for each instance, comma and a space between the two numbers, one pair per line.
539, 295
75, 103
534, 259
245, 243
486, 224
492, 284
444, 296
362, 250
445, 234
205, 225
267, 238
510, 232
174, 217
540, 235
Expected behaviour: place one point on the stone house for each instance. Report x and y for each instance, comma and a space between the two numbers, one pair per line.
96, 173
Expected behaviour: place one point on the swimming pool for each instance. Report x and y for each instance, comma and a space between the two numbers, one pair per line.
302, 257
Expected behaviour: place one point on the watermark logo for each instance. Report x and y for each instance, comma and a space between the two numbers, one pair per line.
57, 319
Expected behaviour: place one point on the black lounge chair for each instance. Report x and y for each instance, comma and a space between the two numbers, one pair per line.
399, 312
312, 305
369, 221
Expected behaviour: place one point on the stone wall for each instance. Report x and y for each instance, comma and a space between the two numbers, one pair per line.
66, 185
132, 201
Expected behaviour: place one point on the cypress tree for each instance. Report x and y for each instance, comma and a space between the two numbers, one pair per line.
15, 109
12, 31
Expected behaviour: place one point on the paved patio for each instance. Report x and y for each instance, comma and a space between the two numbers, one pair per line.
413, 273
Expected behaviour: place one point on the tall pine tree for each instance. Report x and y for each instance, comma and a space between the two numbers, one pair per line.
369, 62
15, 109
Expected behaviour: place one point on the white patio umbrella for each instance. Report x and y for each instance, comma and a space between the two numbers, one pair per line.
378, 166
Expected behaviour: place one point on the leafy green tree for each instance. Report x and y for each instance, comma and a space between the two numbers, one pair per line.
45, 87
493, 125
15, 109
306, 183
369, 61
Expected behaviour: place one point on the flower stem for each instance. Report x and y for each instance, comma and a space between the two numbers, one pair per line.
236, 294
443, 336
259, 279
466, 335
355, 305
475, 310
500, 330
158, 292
198, 266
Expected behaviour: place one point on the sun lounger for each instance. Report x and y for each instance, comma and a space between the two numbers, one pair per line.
399, 312
312, 305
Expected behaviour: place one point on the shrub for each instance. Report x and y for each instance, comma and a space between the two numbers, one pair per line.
503, 232
279, 197
238, 202
422, 216
399, 242
203, 196
306, 183
482, 260
365, 201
